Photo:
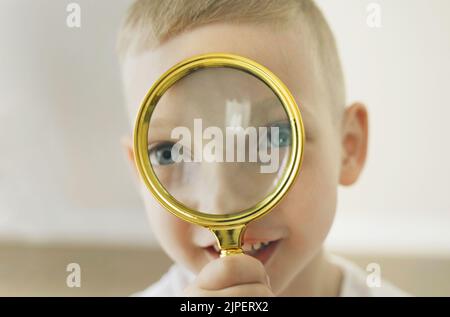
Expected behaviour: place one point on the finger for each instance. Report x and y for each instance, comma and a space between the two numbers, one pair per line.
230, 271
244, 290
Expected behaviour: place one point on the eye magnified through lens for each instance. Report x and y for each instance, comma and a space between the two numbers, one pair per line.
219, 141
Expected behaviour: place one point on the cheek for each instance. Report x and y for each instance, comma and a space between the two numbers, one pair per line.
310, 205
173, 234
167, 228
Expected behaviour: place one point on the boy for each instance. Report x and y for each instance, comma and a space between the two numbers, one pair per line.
293, 40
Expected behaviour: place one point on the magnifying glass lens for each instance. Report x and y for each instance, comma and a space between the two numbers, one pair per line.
219, 140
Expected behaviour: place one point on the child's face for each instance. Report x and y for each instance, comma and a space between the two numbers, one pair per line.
302, 220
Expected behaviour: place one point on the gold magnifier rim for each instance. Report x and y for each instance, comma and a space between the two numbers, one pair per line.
150, 101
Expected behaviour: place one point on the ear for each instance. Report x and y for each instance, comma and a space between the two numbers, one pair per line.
354, 143
127, 146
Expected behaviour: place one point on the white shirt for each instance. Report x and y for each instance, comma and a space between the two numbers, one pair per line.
353, 283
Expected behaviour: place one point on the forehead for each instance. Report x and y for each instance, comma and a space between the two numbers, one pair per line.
283, 52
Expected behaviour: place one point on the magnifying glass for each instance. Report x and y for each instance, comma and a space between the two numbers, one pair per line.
218, 141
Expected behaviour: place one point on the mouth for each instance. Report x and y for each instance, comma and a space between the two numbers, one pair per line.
261, 250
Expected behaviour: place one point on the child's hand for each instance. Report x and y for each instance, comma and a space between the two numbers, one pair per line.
235, 275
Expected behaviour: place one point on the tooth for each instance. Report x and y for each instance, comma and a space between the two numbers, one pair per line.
247, 247
265, 243
216, 247
257, 246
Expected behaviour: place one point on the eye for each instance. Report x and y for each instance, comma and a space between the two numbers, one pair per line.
161, 154
284, 135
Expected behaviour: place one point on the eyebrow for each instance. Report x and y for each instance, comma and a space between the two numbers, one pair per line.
305, 112
161, 123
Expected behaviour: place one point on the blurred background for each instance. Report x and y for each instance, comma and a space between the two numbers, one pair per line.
67, 193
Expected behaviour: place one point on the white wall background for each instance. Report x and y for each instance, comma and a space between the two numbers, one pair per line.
64, 178
402, 72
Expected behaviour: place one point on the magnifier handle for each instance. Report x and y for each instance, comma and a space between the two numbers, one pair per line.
229, 252
229, 239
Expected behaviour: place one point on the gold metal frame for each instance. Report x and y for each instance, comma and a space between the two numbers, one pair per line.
228, 229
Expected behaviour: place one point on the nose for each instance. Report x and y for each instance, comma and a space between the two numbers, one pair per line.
214, 191
227, 187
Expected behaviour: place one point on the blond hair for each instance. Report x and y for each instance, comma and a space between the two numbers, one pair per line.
150, 23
